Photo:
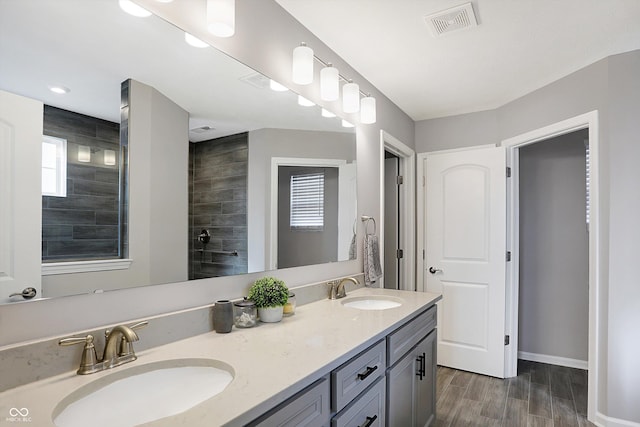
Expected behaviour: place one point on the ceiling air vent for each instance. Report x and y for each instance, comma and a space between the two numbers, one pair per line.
450, 20
256, 80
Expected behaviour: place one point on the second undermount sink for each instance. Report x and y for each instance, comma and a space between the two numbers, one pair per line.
372, 302
144, 393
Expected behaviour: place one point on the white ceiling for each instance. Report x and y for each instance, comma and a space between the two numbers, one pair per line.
517, 47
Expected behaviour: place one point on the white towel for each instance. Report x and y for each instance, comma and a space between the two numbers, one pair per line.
372, 268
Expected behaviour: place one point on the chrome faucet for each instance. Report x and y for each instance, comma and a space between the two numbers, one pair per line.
118, 349
337, 290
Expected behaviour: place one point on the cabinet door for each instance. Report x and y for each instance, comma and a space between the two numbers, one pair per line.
425, 384
400, 384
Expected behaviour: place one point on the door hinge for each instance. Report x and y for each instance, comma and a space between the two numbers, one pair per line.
399, 253
506, 339
508, 172
399, 180
508, 256
423, 254
424, 181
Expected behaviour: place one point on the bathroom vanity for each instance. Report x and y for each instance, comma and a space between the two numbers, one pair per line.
329, 364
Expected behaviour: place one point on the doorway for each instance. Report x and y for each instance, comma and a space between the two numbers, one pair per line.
392, 250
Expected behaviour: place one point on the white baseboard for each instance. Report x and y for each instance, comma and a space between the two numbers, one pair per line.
604, 421
554, 360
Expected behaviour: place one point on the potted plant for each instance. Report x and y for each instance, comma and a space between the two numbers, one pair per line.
270, 295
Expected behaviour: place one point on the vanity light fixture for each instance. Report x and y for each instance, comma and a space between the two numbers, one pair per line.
221, 17
133, 9
327, 113
368, 110
302, 69
60, 90
329, 83
304, 101
194, 41
302, 73
351, 97
275, 86
346, 124
84, 154
109, 157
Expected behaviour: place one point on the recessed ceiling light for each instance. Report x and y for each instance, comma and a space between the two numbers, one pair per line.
304, 102
346, 124
327, 113
133, 9
274, 85
194, 41
164, 1
60, 90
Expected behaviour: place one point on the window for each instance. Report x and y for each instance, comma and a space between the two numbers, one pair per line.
54, 166
307, 201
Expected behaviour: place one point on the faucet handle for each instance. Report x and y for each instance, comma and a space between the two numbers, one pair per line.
89, 360
126, 347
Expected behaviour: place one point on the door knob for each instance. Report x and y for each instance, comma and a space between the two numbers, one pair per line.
27, 293
435, 270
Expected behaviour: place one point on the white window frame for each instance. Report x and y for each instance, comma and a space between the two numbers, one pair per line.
60, 167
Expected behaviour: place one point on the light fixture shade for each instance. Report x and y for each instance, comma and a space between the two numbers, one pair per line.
327, 113
302, 69
194, 41
346, 124
221, 17
351, 98
368, 110
305, 102
133, 9
275, 86
84, 154
109, 157
329, 83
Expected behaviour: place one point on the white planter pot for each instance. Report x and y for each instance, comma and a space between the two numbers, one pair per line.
270, 314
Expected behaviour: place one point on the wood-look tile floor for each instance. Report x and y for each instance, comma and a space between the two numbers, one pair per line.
541, 395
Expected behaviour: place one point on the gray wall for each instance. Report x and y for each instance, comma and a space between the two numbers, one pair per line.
554, 249
265, 37
610, 86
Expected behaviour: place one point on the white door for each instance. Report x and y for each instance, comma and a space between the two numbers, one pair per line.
20, 196
465, 256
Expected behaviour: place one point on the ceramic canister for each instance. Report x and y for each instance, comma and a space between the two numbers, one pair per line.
223, 316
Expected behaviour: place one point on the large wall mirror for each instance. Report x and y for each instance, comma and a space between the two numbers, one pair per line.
177, 157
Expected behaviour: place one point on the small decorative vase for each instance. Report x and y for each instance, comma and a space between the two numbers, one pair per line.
270, 314
223, 316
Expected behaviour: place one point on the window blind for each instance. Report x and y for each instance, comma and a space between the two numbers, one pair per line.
307, 201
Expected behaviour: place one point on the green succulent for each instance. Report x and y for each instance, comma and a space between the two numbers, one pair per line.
269, 292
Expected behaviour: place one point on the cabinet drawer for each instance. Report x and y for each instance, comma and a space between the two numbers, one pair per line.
309, 408
367, 410
352, 378
408, 335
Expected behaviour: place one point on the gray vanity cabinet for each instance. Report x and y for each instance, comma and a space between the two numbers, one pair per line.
411, 379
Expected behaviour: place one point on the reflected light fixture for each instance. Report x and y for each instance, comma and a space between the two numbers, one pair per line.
368, 110
133, 9
304, 101
346, 124
109, 157
329, 83
274, 85
327, 113
351, 97
60, 90
84, 154
302, 69
221, 17
194, 41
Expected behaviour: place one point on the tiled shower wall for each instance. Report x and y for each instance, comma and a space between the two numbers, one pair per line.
84, 224
218, 203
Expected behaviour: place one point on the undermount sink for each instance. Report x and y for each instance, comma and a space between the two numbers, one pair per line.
372, 302
143, 393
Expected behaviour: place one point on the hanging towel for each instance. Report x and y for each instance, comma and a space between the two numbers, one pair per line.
352, 248
372, 268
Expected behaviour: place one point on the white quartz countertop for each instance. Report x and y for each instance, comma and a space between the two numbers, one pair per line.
271, 361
